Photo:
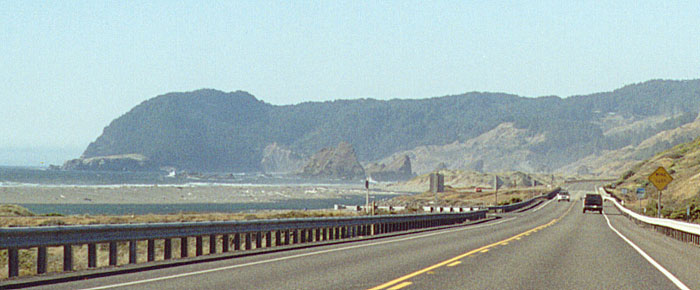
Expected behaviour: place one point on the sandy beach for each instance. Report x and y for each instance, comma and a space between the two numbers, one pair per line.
174, 194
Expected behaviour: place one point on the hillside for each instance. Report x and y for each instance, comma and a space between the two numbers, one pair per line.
683, 163
210, 130
616, 162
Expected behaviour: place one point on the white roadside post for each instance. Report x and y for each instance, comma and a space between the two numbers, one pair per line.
367, 196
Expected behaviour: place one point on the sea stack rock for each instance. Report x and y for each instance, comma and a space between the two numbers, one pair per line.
334, 163
278, 159
125, 162
397, 170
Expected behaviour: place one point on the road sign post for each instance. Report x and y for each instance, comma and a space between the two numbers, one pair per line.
640, 195
497, 182
367, 196
660, 178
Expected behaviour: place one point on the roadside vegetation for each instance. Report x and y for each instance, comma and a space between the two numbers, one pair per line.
17, 216
681, 198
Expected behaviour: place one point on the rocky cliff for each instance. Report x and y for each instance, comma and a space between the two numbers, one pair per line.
397, 170
125, 162
279, 159
334, 163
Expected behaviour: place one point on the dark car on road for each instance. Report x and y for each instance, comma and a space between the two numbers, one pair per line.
593, 202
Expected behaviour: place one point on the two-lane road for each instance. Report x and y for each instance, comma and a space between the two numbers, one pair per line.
552, 246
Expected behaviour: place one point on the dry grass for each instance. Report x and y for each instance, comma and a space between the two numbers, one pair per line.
34, 220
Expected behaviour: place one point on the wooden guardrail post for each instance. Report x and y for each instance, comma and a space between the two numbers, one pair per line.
13, 261
224, 243
199, 241
132, 252
41, 260
184, 249
92, 255
151, 251
112, 253
67, 258
167, 249
212, 244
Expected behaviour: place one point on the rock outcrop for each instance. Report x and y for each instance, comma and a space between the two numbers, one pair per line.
334, 163
126, 162
278, 159
397, 170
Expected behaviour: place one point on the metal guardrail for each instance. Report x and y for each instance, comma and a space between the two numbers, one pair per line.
232, 234
686, 232
522, 204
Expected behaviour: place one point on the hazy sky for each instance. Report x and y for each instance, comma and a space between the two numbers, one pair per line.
70, 67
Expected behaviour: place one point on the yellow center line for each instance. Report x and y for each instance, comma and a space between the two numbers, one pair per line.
455, 259
454, 264
399, 286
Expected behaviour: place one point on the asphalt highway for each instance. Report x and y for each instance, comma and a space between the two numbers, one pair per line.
551, 246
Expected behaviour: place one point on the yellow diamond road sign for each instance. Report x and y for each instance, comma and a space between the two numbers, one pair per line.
660, 178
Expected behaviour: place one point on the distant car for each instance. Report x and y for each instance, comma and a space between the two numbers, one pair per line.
478, 189
593, 202
563, 196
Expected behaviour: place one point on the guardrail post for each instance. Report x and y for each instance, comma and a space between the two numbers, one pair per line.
286, 237
151, 255
247, 241
212, 244
268, 239
132, 252
224, 243
92, 255
303, 233
41, 260
13, 262
112, 253
236, 241
198, 246
258, 240
318, 234
295, 236
167, 249
278, 238
184, 251
67, 258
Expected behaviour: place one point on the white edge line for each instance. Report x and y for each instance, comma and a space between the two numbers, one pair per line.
541, 206
661, 269
292, 257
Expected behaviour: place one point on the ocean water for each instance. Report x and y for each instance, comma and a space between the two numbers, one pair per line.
27, 176
14, 176
23, 176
